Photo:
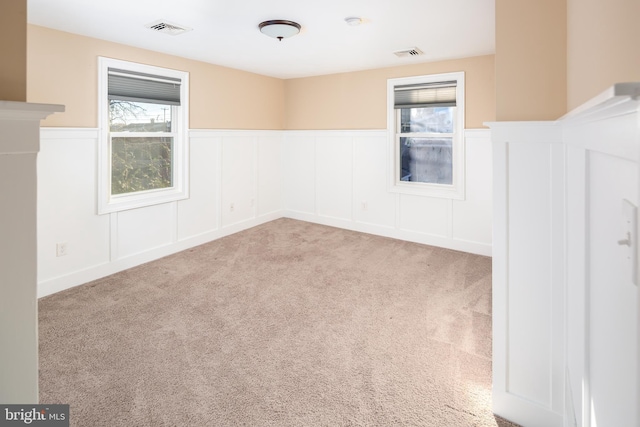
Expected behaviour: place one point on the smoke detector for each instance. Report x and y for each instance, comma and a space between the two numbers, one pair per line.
413, 51
165, 27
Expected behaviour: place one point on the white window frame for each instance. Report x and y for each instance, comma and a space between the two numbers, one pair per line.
107, 202
454, 191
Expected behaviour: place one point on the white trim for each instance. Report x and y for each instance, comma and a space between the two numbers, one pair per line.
586, 246
18, 111
477, 133
108, 203
394, 233
19, 146
219, 145
95, 272
394, 229
315, 176
500, 263
587, 132
457, 189
507, 402
610, 97
352, 187
209, 133
114, 261
113, 236
336, 133
526, 132
174, 222
607, 125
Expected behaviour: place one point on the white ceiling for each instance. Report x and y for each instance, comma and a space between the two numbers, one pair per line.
226, 32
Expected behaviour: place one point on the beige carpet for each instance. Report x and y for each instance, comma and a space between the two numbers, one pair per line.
285, 324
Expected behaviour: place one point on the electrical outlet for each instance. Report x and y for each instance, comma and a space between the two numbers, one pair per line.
61, 249
232, 207
364, 205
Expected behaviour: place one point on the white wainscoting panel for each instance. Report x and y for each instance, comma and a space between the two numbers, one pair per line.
341, 179
527, 308
529, 200
269, 175
139, 230
373, 204
199, 213
472, 216
565, 307
239, 161
603, 148
67, 171
613, 353
299, 174
337, 178
224, 170
424, 215
334, 177
576, 285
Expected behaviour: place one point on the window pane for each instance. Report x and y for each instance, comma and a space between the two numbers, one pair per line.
432, 119
126, 116
426, 160
139, 164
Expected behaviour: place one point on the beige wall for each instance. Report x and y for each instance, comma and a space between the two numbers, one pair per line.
358, 100
603, 46
62, 69
13, 50
531, 48
551, 56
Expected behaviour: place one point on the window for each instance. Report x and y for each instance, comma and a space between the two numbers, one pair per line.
426, 123
143, 154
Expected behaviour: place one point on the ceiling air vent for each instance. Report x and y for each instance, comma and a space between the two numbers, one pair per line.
168, 28
413, 51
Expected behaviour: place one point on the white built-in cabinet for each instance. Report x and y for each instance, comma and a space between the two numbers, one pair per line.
565, 293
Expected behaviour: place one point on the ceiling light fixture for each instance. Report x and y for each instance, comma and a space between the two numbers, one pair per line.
279, 28
353, 21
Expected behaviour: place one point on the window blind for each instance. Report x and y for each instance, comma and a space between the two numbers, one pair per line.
141, 87
441, 94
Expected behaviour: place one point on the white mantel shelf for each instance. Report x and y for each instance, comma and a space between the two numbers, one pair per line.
20, 125
12, 110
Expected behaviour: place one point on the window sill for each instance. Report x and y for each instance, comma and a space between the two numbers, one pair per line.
428, 190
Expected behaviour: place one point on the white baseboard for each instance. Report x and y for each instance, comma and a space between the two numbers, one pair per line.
378, 230
95, 272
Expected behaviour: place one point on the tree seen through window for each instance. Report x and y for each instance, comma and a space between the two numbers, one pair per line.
141, 157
